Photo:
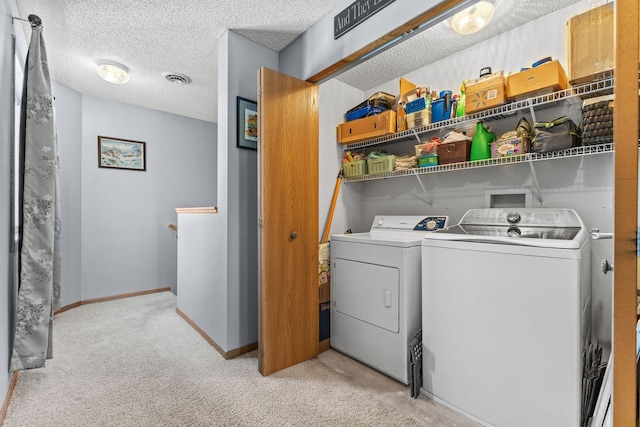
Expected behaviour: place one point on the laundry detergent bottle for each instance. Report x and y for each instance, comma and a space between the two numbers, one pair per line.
481, 143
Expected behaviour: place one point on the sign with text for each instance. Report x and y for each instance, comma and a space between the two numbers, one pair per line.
357, 12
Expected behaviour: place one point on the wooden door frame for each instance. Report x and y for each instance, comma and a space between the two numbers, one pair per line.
625, 132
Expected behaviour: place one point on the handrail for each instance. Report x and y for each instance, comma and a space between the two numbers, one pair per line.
174, 228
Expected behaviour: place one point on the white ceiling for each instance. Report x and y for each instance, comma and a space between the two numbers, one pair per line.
155, 36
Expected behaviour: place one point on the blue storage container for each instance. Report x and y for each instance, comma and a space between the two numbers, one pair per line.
415, 105
367, 110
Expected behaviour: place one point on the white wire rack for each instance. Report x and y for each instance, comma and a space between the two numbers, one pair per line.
569, 96
522, 158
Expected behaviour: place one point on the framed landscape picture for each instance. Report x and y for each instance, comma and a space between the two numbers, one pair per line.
247, 123
116, 153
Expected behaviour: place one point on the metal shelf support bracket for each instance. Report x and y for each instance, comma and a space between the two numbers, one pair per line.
428, 200
536, 186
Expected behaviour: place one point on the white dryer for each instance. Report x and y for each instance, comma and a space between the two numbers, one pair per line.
506, 307
375, 291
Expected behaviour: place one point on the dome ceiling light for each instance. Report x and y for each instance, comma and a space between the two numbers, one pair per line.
113, 72
474, 18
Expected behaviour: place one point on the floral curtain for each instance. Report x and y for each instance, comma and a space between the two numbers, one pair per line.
39, 256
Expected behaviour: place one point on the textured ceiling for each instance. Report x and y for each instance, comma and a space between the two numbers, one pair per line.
441, 41
155, 36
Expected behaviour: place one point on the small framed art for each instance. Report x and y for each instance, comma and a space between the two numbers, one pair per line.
116, 153
247, 123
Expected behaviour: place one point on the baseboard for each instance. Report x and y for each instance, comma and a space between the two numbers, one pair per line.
68, 307
8, 396
225, 354
324, 345
242, 350
111, 298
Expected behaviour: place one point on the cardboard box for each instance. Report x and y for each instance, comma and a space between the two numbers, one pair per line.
405, 86
590, 44
488, 92
454, 152
367, 128
324, 292
546, 78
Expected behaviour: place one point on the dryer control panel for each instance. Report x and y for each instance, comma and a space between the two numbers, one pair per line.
409, 223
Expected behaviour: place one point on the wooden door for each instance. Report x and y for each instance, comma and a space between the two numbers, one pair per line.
287, 221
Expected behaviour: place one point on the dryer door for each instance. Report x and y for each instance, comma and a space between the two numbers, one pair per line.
367, 292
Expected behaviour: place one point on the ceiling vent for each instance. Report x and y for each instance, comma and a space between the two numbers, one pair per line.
177, 78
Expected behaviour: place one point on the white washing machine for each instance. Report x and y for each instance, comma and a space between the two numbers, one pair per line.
506, 314
375, 291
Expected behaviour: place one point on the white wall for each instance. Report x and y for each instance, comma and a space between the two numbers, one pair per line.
8, 8
233, 231
68, 111
202, 289
244, 58
316, 49
336, 98
509, 51
126, 243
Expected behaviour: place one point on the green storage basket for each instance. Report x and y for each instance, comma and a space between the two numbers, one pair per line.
356, 168
382, 164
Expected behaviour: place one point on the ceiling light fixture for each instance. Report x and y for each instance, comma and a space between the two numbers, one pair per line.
473, 19
113, 72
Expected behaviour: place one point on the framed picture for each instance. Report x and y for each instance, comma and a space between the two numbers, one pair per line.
119, 153
247, 123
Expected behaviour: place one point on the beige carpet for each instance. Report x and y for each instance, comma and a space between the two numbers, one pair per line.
135, 362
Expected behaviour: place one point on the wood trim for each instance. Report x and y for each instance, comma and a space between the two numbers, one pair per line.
201, 332
430, 14
173, 227
225, 354
208, 210
111, 298
242, 350
625, 131
68, 307
7, 397
324, 345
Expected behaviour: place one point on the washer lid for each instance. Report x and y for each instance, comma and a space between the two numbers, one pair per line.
542, 227
523, 217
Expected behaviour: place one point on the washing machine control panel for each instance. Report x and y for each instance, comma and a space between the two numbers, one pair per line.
533, 217
409, 223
